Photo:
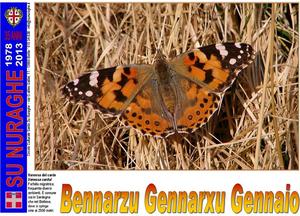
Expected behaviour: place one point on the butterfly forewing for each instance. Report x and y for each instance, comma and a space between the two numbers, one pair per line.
214, 67
111, 89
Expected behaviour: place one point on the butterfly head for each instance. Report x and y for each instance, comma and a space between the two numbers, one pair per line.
159, 55
161, 67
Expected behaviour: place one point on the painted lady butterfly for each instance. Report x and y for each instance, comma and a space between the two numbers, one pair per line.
169, 96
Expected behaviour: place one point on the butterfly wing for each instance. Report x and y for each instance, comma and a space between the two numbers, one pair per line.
147, 112
206, 74
111, 89
202, 75
214, 67
125, 91
199, 106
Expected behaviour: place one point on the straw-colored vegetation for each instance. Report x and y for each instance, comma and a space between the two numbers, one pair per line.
255, 128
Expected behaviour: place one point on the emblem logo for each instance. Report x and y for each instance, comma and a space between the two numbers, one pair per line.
13, 16
13, 200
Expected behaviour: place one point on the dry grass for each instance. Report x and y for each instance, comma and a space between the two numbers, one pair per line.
256, 127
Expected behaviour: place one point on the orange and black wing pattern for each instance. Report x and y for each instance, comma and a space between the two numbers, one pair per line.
110, 90
214, 67
208, 72
131, 92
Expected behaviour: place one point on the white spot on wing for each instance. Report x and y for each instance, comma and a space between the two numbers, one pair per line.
93, 78
76, 89
239, 57
89, 93
232, 61
238, 45
94, 75
80, 92
75, 82
93, 82
241, 51
220, 47
222, 50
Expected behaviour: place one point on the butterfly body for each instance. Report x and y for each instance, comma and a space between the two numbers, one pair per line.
169, 96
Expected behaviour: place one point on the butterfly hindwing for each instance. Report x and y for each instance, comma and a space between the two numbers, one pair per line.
202, 105
145, 112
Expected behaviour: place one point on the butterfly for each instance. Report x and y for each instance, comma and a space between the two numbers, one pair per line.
168, 97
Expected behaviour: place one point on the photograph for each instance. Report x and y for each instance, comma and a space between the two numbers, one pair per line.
166, 86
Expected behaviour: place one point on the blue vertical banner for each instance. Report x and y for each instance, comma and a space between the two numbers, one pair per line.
13, 108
